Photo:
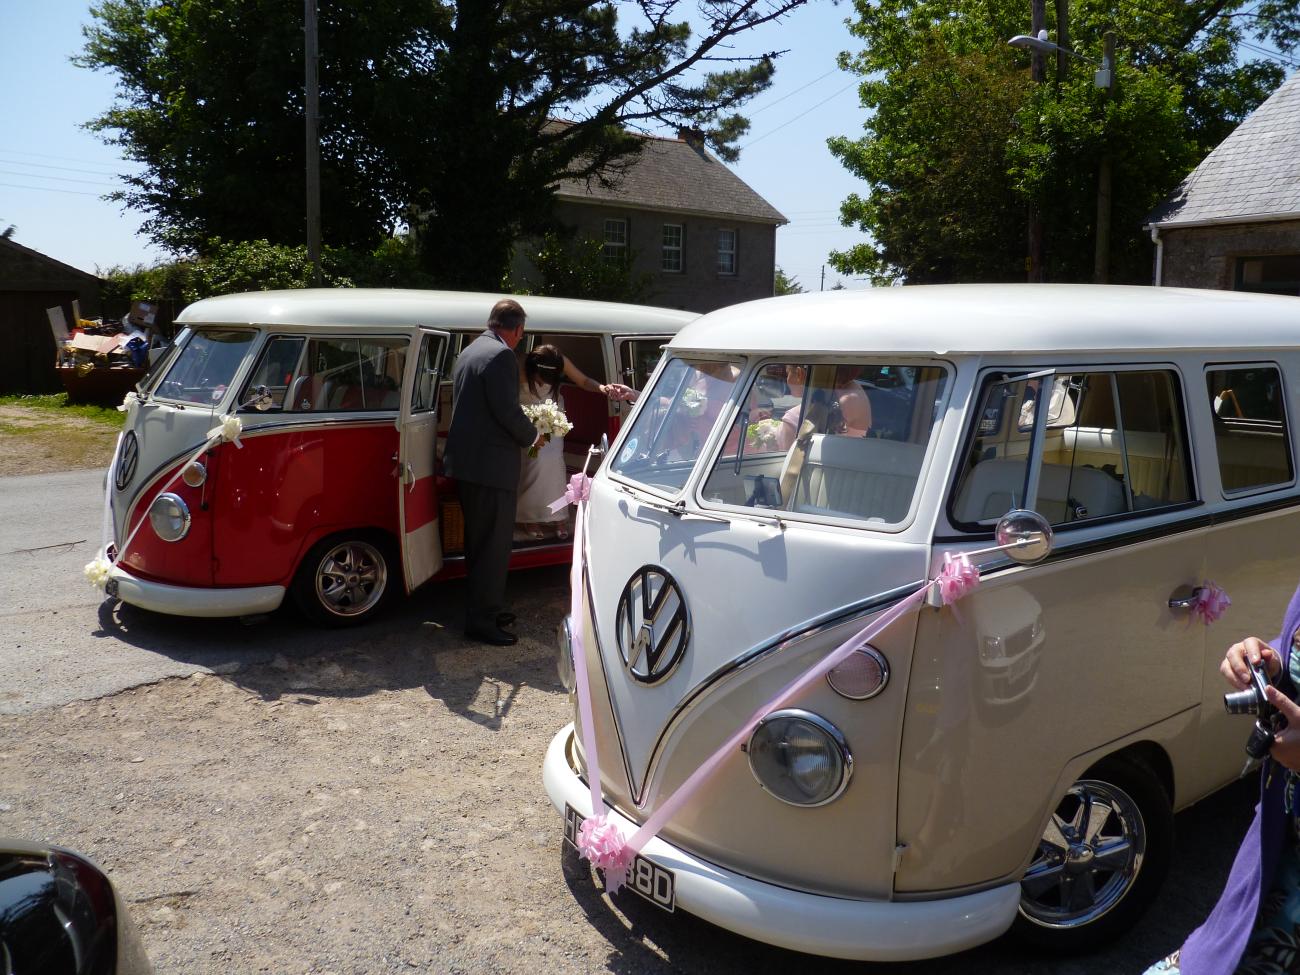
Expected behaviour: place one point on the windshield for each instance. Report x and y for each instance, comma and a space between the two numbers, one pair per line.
673, 424
162, 360
841, 440
204, 369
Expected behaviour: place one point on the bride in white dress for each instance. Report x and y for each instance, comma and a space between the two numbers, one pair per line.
542, 478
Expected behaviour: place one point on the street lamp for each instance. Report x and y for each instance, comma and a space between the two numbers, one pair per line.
1104, 78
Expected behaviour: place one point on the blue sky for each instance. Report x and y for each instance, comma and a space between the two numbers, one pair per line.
52, 171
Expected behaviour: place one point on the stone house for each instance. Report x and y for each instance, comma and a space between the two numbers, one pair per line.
31, 282
703, 235
1234, 222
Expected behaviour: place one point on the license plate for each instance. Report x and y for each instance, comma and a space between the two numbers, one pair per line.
645, 877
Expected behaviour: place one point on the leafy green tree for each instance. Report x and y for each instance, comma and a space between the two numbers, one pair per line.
569, 267
959, 142
437, 114
786, 284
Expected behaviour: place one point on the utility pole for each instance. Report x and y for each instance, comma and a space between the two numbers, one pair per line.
1101, 257
1037, 72
822, 286
313, 141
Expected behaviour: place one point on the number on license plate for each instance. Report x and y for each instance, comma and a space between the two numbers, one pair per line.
645, 877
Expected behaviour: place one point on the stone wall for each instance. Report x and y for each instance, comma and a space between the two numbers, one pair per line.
698, 286
1206, 257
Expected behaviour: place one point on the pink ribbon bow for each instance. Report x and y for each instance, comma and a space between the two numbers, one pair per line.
957, 577
1211, 601
603, 843
578, 489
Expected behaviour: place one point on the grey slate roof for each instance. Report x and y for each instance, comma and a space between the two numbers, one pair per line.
672, 175
1254, 174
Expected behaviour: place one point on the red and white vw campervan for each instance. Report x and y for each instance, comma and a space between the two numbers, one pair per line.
332, 491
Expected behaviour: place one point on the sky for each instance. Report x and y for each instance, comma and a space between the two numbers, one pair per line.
52, 171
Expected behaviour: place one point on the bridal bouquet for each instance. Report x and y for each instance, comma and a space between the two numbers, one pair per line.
549, 420
762, 435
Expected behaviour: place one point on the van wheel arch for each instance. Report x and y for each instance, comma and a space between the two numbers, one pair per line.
1104, 854
348, 577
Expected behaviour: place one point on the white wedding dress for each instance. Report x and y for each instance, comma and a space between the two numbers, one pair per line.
541, 478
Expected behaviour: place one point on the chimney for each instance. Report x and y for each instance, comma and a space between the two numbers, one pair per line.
692, 136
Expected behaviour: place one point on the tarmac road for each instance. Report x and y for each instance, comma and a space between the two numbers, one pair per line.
61, 641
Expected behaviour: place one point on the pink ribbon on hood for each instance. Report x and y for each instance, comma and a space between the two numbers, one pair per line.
578, 489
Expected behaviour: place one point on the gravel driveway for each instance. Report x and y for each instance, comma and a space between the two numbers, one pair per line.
371, 800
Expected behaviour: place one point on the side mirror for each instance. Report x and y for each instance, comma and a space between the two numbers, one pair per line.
259, 398
1025, 536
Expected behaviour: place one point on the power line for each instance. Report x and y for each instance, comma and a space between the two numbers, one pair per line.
50, 189
64, 169
800, 116
62, 179
793, 93
46, 155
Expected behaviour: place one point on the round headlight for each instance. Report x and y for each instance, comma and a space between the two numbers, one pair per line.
564, 661
170, 517
194, 474
862, 675
800, 757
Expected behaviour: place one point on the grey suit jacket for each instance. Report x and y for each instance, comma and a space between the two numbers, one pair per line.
488, 427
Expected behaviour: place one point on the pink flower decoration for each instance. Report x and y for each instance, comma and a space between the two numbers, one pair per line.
1211, 601
603, 843
957, 578
578, 489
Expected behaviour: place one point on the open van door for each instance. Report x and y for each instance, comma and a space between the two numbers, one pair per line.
635, 359
418, 429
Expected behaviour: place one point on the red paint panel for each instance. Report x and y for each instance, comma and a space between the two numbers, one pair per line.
532, 558
184, 563
285, 491
421, 502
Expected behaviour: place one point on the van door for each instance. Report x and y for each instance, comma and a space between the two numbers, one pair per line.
1047, 662
635, 358
417, 494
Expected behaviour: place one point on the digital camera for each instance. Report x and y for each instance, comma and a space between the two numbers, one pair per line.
1254, 700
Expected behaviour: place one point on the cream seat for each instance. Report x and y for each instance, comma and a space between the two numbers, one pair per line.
858, 477
994, 487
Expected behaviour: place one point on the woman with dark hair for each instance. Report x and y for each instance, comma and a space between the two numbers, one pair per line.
542, 476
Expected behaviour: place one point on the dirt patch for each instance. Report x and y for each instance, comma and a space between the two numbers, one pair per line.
40, 441
371, 811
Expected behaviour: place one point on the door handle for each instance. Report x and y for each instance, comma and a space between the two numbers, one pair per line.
1184, 603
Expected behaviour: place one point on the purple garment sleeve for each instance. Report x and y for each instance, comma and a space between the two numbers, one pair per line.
1216, 946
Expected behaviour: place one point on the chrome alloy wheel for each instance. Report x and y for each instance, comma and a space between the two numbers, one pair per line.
350, 578
1088, 859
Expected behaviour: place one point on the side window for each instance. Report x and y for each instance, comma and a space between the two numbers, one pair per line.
806, 441
424, 397
349, 375
276, 368
1113, 443
1250, 433
637, 360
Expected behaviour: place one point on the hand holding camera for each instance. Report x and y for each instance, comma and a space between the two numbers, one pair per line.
1249, 665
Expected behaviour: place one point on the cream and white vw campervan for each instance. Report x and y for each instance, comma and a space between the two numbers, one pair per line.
797, 466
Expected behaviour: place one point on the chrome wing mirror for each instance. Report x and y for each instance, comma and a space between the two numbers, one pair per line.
259, 398
1024, 536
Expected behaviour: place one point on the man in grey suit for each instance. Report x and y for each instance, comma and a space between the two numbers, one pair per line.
488, 429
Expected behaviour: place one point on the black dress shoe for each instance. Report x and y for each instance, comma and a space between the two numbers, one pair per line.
505, 619
497, 637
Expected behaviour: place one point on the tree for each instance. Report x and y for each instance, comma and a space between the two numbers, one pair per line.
568, 267
441, 115
960, 141
786, 284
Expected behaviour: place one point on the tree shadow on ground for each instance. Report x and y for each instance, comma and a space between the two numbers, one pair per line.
417, 643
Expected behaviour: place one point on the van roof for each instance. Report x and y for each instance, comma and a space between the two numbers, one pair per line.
349, 307
1009, 318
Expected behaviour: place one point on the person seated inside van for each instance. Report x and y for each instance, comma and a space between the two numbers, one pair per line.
848, 413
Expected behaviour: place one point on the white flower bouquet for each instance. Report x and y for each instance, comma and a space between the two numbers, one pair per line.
694, 402
549, 420
763, 435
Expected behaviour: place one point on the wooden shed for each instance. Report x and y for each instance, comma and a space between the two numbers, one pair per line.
31, 282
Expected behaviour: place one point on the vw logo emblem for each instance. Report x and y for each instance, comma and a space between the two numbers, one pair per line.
652, 624
130, 456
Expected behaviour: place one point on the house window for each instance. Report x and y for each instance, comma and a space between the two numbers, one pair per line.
671, 259
726, 252
616, 241
1278, 275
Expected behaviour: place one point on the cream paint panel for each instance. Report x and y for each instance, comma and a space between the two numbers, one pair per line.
422, 548
1038, 665
1257, 562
